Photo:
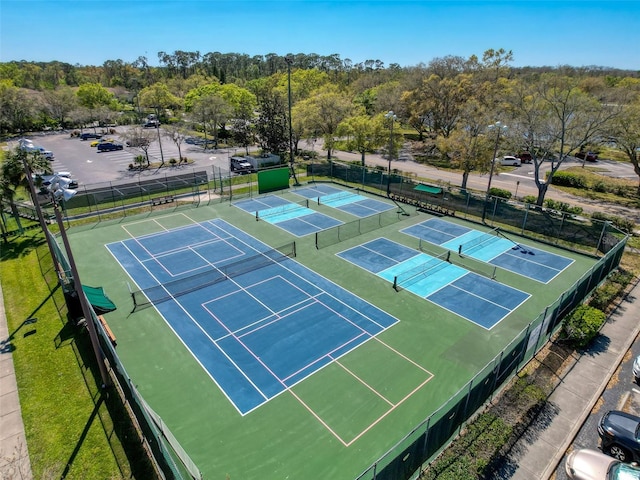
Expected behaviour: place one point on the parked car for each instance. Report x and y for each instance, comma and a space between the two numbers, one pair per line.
587, 464
151, 124
510, 160
108, 146
88, 135
525, 157
636, 369
138, 142
619, 435
95, 143
241, 165
28, 146
588, 156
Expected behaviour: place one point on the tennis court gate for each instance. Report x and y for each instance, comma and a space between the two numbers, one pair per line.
422, 444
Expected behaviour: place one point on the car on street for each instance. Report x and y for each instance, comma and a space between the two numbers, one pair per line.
619, 435
510, 160
588, 464
636, 369
88, 135
109, 146
587, 156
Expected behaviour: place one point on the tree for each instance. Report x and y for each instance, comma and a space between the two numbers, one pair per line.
17, 109
323, 112
140, 138
272, 124
364, 134
59, 103
468, 147
13, 176
626, 131
177, 133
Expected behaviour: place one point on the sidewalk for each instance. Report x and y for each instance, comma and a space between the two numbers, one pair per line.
540, 450
14, 455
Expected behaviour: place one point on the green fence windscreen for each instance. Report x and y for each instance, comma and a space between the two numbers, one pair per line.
273, 179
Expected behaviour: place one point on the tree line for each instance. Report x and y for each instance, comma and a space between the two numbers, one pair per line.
446, 105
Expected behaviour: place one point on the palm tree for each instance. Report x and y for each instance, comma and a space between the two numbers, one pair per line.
13, 177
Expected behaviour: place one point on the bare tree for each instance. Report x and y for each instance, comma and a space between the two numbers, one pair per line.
139, 138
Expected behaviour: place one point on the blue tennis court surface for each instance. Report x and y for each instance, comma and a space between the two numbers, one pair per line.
295, 218
492, 248
292, 322
345, 200
478, 299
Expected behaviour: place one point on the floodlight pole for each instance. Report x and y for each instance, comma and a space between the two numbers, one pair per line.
499, 128
77, 285
392, 116
289, 61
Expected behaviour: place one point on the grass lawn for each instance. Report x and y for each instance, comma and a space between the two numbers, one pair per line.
73, 430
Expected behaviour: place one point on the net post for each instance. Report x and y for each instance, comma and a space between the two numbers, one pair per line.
319, 201
493, 275
460, 250
317, 247
295, 253
133, 298
257, 216
395, 283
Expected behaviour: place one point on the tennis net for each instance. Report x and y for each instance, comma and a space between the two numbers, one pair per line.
281, 209
479, 242
176, 288
335, 197
422, 270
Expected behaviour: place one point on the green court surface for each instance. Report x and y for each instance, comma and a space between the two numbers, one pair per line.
337, 422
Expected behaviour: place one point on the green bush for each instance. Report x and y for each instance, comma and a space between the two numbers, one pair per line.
582, 325
500, 193
567, 179
622, 223
530, 199
562, 207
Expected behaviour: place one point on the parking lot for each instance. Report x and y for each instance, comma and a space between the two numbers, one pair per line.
89, 166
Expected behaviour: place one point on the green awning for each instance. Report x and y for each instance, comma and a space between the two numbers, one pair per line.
428, 189
98, 299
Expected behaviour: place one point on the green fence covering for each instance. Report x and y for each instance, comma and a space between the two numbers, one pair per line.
428, 189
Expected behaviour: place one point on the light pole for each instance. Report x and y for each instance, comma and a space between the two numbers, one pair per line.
59, 190
391, 116
498, 127
289, 61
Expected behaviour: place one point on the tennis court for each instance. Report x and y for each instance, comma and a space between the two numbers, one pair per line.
297, 219
478, 299
291, 322
344, 200
271, 359
492, 247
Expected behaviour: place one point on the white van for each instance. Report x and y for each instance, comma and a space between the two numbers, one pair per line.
509, 160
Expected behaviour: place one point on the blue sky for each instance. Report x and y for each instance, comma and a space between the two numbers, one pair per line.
89, 32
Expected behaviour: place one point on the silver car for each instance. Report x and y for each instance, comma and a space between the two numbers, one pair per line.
636, 369
587, 464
